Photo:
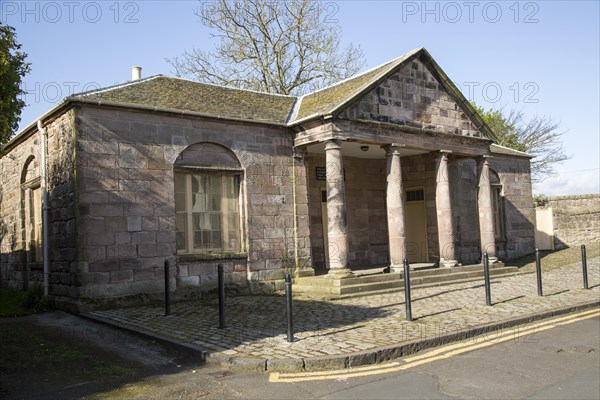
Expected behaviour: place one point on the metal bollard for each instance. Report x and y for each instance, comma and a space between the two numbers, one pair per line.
407, 290
221, 284
584, 267
167, 289
288, 305
538, 272
486, 274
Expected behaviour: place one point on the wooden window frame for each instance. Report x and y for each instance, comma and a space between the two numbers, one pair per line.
223, 212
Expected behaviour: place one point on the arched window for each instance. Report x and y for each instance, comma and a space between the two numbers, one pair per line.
31, 209
497, 205
207, 193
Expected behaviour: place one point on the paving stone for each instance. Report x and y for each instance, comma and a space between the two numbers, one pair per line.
356, 331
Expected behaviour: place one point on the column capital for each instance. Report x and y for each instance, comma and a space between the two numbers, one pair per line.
484, 158
333, 144
442, 155
392, 148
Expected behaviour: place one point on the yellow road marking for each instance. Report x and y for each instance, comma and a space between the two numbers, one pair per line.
518, 330
435, 355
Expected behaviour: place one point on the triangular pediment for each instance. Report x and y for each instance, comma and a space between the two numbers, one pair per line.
414, 96
411, 91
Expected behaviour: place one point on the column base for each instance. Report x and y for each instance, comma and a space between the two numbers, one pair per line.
448, 263
494, 262
340, 273
395, 268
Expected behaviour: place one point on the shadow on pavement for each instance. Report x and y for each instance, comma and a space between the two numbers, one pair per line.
60, 356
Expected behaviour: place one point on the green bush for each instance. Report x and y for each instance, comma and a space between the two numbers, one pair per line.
14, 303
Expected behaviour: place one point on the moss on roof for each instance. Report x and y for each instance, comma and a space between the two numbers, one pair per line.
336, 96
175, 94
217, 101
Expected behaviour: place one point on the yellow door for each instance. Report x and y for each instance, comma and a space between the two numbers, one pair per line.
416, 226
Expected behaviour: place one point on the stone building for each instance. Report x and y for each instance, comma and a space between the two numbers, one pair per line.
390, 164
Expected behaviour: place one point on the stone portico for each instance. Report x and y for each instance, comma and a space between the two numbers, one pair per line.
388, 165
388, 161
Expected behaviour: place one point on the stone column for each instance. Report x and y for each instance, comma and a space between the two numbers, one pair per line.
395, 208
486, 213
443, 206
337, 234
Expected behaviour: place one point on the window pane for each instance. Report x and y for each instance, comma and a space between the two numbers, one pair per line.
180, 202
181, 228
198, 243
214, 211
215, 204
216, 239
215, 184
233, 221
233, 243
199, 203
180, 183
180, 240
215, 221
201, 221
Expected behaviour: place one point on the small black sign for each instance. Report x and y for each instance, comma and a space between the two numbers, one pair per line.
321, 173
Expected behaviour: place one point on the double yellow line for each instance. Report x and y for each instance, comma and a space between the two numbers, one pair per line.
437, 354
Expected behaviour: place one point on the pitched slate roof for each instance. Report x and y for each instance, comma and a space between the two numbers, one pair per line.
328, 100
211, 100
179, 95
160, 93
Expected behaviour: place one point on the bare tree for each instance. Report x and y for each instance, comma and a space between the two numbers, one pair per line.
284, 47
538, 136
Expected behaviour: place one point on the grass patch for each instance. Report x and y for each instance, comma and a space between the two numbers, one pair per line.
16, 303
557, 258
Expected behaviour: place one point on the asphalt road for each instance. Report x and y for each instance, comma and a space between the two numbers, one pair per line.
556, 363
544, 362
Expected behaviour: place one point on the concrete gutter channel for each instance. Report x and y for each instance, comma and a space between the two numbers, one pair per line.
343, 361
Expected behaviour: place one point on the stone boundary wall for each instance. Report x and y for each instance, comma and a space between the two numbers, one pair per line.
576, 219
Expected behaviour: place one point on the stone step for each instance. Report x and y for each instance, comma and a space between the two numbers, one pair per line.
324, 280
477, 279
390, 282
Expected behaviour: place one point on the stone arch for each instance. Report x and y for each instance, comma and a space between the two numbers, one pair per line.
30, 209
494, 177
30, 169
208, 155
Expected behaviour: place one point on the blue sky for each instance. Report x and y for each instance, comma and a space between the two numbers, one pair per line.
541, 57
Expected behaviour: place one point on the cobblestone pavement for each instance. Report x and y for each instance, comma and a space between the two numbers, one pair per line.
256, 325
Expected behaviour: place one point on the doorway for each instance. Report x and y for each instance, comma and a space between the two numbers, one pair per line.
416, 225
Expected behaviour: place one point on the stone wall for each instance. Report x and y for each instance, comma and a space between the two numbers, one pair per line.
576, 219
519, 215
413, 97
127, 212
464, 184
18, 269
